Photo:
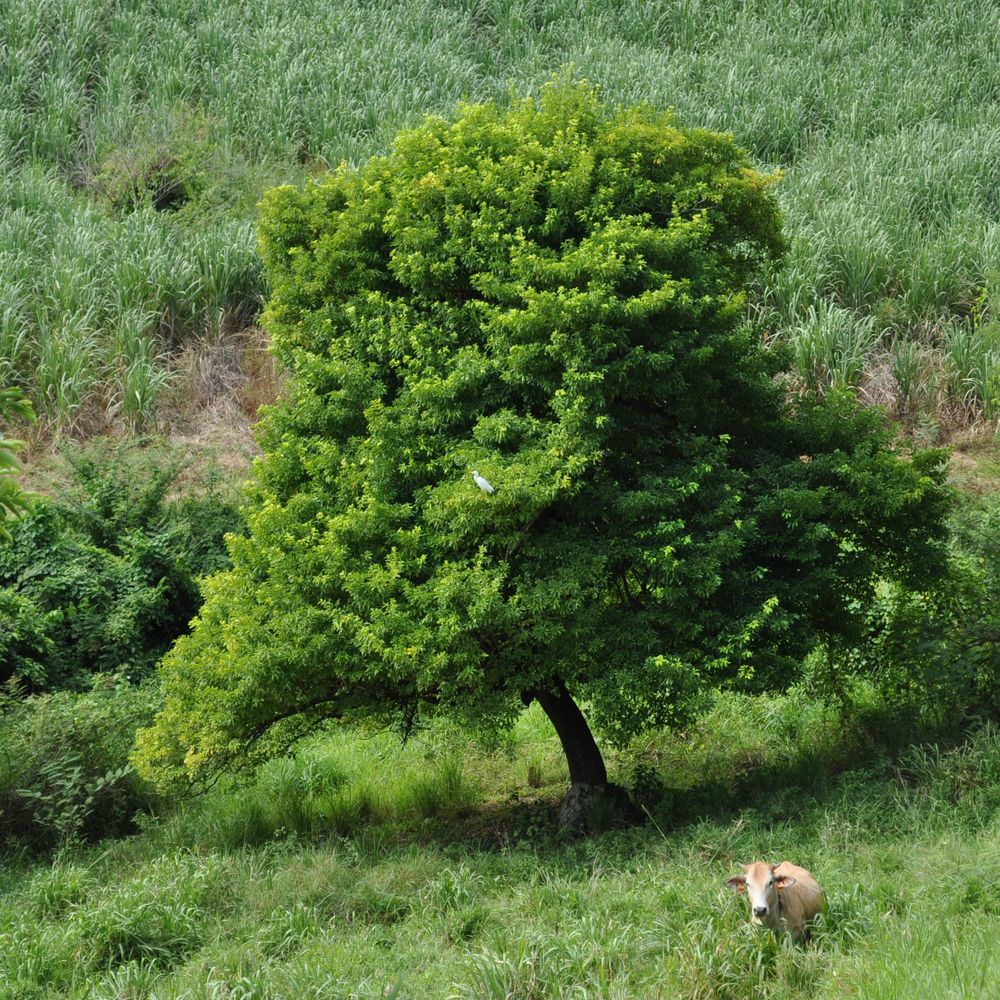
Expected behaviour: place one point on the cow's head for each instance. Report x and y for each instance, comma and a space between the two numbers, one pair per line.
762, 887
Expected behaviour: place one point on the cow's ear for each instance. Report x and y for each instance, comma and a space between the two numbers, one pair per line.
737, 882
783, 882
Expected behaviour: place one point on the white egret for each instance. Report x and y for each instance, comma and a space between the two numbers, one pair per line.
482, 483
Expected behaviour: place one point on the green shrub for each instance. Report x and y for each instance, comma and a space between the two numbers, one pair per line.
938, 652
64, 771
25, 641
105, 577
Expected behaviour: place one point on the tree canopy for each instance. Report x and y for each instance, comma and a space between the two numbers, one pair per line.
553, 294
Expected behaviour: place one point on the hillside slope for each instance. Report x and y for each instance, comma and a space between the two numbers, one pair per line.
136, 139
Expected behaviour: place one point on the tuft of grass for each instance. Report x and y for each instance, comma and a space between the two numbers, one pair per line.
335, 786
972, 356
831, 347
53, 891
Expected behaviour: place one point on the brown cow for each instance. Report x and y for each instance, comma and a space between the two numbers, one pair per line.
782, 897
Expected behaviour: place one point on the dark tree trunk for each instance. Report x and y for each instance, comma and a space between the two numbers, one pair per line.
586, 765
591, 803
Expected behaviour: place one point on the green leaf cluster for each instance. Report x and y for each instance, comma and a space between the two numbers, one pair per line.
938, 652
553, 294
13, 500
105, 577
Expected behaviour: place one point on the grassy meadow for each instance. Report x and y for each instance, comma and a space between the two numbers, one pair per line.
135, 140
360, 869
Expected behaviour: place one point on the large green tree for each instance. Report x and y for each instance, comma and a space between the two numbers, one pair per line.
552, 295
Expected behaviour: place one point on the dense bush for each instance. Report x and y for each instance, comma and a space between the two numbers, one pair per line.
939, 652
104, 577
64, 771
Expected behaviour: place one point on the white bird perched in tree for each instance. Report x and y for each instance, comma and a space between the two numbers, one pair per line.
482, 483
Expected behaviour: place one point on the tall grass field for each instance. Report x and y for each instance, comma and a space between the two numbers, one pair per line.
136, 138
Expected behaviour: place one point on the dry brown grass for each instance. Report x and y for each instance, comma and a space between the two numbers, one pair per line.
204, 422
975, 463
222, 382
228, 370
